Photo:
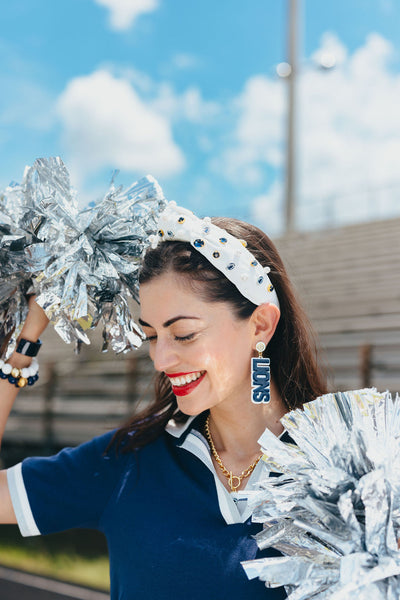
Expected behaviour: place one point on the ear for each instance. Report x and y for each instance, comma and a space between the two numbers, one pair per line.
264, 321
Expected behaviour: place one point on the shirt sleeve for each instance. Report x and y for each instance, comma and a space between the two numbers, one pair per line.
68, 490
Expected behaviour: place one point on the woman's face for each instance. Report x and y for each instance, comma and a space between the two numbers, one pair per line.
201, 346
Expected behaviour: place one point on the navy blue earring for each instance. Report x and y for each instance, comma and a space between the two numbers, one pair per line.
260, 377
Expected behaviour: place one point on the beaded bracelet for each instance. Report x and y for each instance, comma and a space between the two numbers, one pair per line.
20, 377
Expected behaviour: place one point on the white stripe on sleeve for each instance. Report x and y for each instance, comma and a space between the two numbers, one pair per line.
19, 497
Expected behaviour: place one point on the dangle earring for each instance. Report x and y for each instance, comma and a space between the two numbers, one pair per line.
260, 377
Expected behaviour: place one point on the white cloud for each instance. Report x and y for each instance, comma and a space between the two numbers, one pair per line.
330, 46
189, 105
266, 209
179, 63
257, 139
123, 13
107, 124
348, 146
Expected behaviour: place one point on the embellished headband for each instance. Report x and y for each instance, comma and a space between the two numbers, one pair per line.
84, 265
225, 252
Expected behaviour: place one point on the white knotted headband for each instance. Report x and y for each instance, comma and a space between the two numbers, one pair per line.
224, 251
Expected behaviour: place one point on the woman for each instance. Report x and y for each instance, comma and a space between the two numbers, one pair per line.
169, 488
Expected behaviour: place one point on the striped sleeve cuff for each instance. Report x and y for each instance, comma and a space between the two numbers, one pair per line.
19, 498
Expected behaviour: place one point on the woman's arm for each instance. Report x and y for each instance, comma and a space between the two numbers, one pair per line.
7, 514
34, 326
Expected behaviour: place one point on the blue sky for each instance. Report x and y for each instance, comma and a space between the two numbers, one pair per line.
188, 91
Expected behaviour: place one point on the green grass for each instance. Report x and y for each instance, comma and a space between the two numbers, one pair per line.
53, 558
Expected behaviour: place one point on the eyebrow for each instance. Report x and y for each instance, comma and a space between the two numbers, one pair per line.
169, 322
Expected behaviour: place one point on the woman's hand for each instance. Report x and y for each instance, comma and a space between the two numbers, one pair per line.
36, 321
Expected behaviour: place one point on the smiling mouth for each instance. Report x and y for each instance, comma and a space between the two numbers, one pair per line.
183, 379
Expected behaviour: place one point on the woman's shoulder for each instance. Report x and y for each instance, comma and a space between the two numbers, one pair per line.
97, 454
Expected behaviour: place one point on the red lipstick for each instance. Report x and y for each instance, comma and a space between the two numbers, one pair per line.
180, 374
184, 390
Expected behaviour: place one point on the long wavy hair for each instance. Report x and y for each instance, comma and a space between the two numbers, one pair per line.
292, 350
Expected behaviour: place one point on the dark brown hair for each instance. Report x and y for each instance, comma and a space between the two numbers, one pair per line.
292, 349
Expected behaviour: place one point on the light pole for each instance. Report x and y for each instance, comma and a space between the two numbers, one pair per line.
291, 174
290, 71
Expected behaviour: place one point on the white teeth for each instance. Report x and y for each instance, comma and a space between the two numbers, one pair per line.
185, 379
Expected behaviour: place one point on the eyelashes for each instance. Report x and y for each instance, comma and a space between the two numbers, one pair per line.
177, 338
150, 338
184, 338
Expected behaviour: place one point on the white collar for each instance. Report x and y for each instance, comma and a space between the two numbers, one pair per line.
177, 429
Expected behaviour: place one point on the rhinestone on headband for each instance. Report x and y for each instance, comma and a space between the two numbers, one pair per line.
227, 253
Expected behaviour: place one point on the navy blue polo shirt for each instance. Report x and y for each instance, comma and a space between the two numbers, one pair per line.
173, 530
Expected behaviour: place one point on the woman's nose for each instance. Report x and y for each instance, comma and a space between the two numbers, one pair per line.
163, 356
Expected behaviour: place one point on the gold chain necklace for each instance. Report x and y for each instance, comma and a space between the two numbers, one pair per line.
234, 481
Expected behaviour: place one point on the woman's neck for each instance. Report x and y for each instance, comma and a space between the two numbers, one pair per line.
236, 429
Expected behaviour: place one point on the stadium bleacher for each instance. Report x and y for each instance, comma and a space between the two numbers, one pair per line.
349, 282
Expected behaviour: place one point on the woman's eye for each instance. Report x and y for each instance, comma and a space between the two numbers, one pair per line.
184, 338
178, 338
150, 338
